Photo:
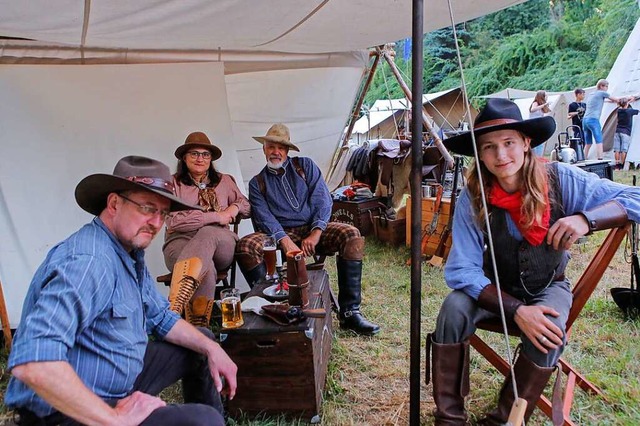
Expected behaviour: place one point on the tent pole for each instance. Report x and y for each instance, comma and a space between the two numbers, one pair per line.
425, 116
356, 109
417, 34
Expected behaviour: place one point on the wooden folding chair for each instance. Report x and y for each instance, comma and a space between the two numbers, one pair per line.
582, 290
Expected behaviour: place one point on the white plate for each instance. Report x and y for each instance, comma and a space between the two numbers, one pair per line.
271, 292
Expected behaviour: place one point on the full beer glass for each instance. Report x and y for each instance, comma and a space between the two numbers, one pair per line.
231, 309
269, 251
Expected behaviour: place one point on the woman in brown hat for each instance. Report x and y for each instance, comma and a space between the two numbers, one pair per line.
536, 212
202, 234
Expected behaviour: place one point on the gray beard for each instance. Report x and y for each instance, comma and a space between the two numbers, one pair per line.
274, 165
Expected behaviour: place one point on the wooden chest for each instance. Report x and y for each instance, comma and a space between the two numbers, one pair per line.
357, 213
390, 231
282, 369
428, 206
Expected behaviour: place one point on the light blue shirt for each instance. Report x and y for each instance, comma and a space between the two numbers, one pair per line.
580, 191
90, 304
289, 200
595, 102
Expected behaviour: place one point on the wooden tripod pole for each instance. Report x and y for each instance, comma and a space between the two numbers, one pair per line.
4, 318
425, 116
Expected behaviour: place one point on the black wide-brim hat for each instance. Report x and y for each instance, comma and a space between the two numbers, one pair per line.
502, 114
132, 173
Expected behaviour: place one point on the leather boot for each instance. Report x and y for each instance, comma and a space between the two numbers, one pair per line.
450, 370
184, 283
349, 296
531, 380
252, 273
198, 311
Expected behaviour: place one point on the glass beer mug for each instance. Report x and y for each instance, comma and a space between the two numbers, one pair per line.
231, 308
269, 251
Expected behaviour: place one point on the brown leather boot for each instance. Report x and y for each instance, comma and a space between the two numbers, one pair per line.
184, 283
198, 311
530, 379
450, 369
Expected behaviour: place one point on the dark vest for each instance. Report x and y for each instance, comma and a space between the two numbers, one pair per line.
524, 269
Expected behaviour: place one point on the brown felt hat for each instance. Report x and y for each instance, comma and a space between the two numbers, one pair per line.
502, 114
278, 133
131, 173
198, 140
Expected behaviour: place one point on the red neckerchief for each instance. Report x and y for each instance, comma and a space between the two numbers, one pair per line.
512, 203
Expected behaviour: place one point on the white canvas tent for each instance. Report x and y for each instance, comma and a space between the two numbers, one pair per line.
84, 83
446, 108
624, 80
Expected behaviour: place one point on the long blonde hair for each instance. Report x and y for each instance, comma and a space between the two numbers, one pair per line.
541, 99
533, 178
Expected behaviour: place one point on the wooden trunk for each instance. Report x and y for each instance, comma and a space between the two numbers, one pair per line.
428, 207
389, 231
282, 369
356, 213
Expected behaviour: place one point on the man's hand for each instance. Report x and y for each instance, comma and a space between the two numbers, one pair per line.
135, 408
309, 244
566, 231
221, 365
288, 245
533, 322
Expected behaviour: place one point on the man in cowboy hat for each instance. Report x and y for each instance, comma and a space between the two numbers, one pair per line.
81, 353
536, 211
291, 202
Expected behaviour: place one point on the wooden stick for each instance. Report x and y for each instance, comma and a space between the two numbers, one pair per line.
4, 319
516, 416
425, 116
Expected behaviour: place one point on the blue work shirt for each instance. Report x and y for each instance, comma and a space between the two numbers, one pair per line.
91, 304
580, 191
290, 200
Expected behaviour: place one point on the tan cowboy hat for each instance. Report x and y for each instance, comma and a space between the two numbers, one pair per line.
501, 114
198, 140
131, 173
278, 133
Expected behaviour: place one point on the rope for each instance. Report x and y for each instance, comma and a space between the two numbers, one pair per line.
486, 211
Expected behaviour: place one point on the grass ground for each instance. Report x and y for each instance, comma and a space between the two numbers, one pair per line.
368, 379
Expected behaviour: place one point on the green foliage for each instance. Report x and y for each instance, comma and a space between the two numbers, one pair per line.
540, 44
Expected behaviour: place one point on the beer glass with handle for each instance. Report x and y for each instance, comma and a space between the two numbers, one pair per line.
269, 252
231, 309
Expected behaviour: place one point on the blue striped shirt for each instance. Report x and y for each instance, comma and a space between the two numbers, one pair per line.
91, 304
289, 200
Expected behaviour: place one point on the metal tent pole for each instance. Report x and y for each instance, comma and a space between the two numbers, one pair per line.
416, 210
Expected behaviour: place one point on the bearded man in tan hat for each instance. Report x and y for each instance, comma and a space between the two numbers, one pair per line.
81, 354
291, 202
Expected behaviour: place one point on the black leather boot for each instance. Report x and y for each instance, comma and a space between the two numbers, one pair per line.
349, 297
255, 275
531, 380
450, 371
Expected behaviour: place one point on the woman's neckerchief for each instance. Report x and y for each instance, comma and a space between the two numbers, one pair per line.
512, 203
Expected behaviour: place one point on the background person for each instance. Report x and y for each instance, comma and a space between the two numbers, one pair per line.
291, 202
591, 128
205, 233
81, 353
544, 208
539, 108
622, 137
576, 112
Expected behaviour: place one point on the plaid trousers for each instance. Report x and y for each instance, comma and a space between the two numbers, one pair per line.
333, 240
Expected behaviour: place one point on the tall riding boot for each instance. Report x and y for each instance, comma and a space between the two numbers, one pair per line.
531, 380
184, 283
450, 371
252, 273
349, 296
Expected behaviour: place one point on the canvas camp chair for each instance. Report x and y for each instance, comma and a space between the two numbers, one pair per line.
582, 290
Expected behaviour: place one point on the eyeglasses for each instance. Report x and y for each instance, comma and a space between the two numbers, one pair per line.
206, 155
146, 209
